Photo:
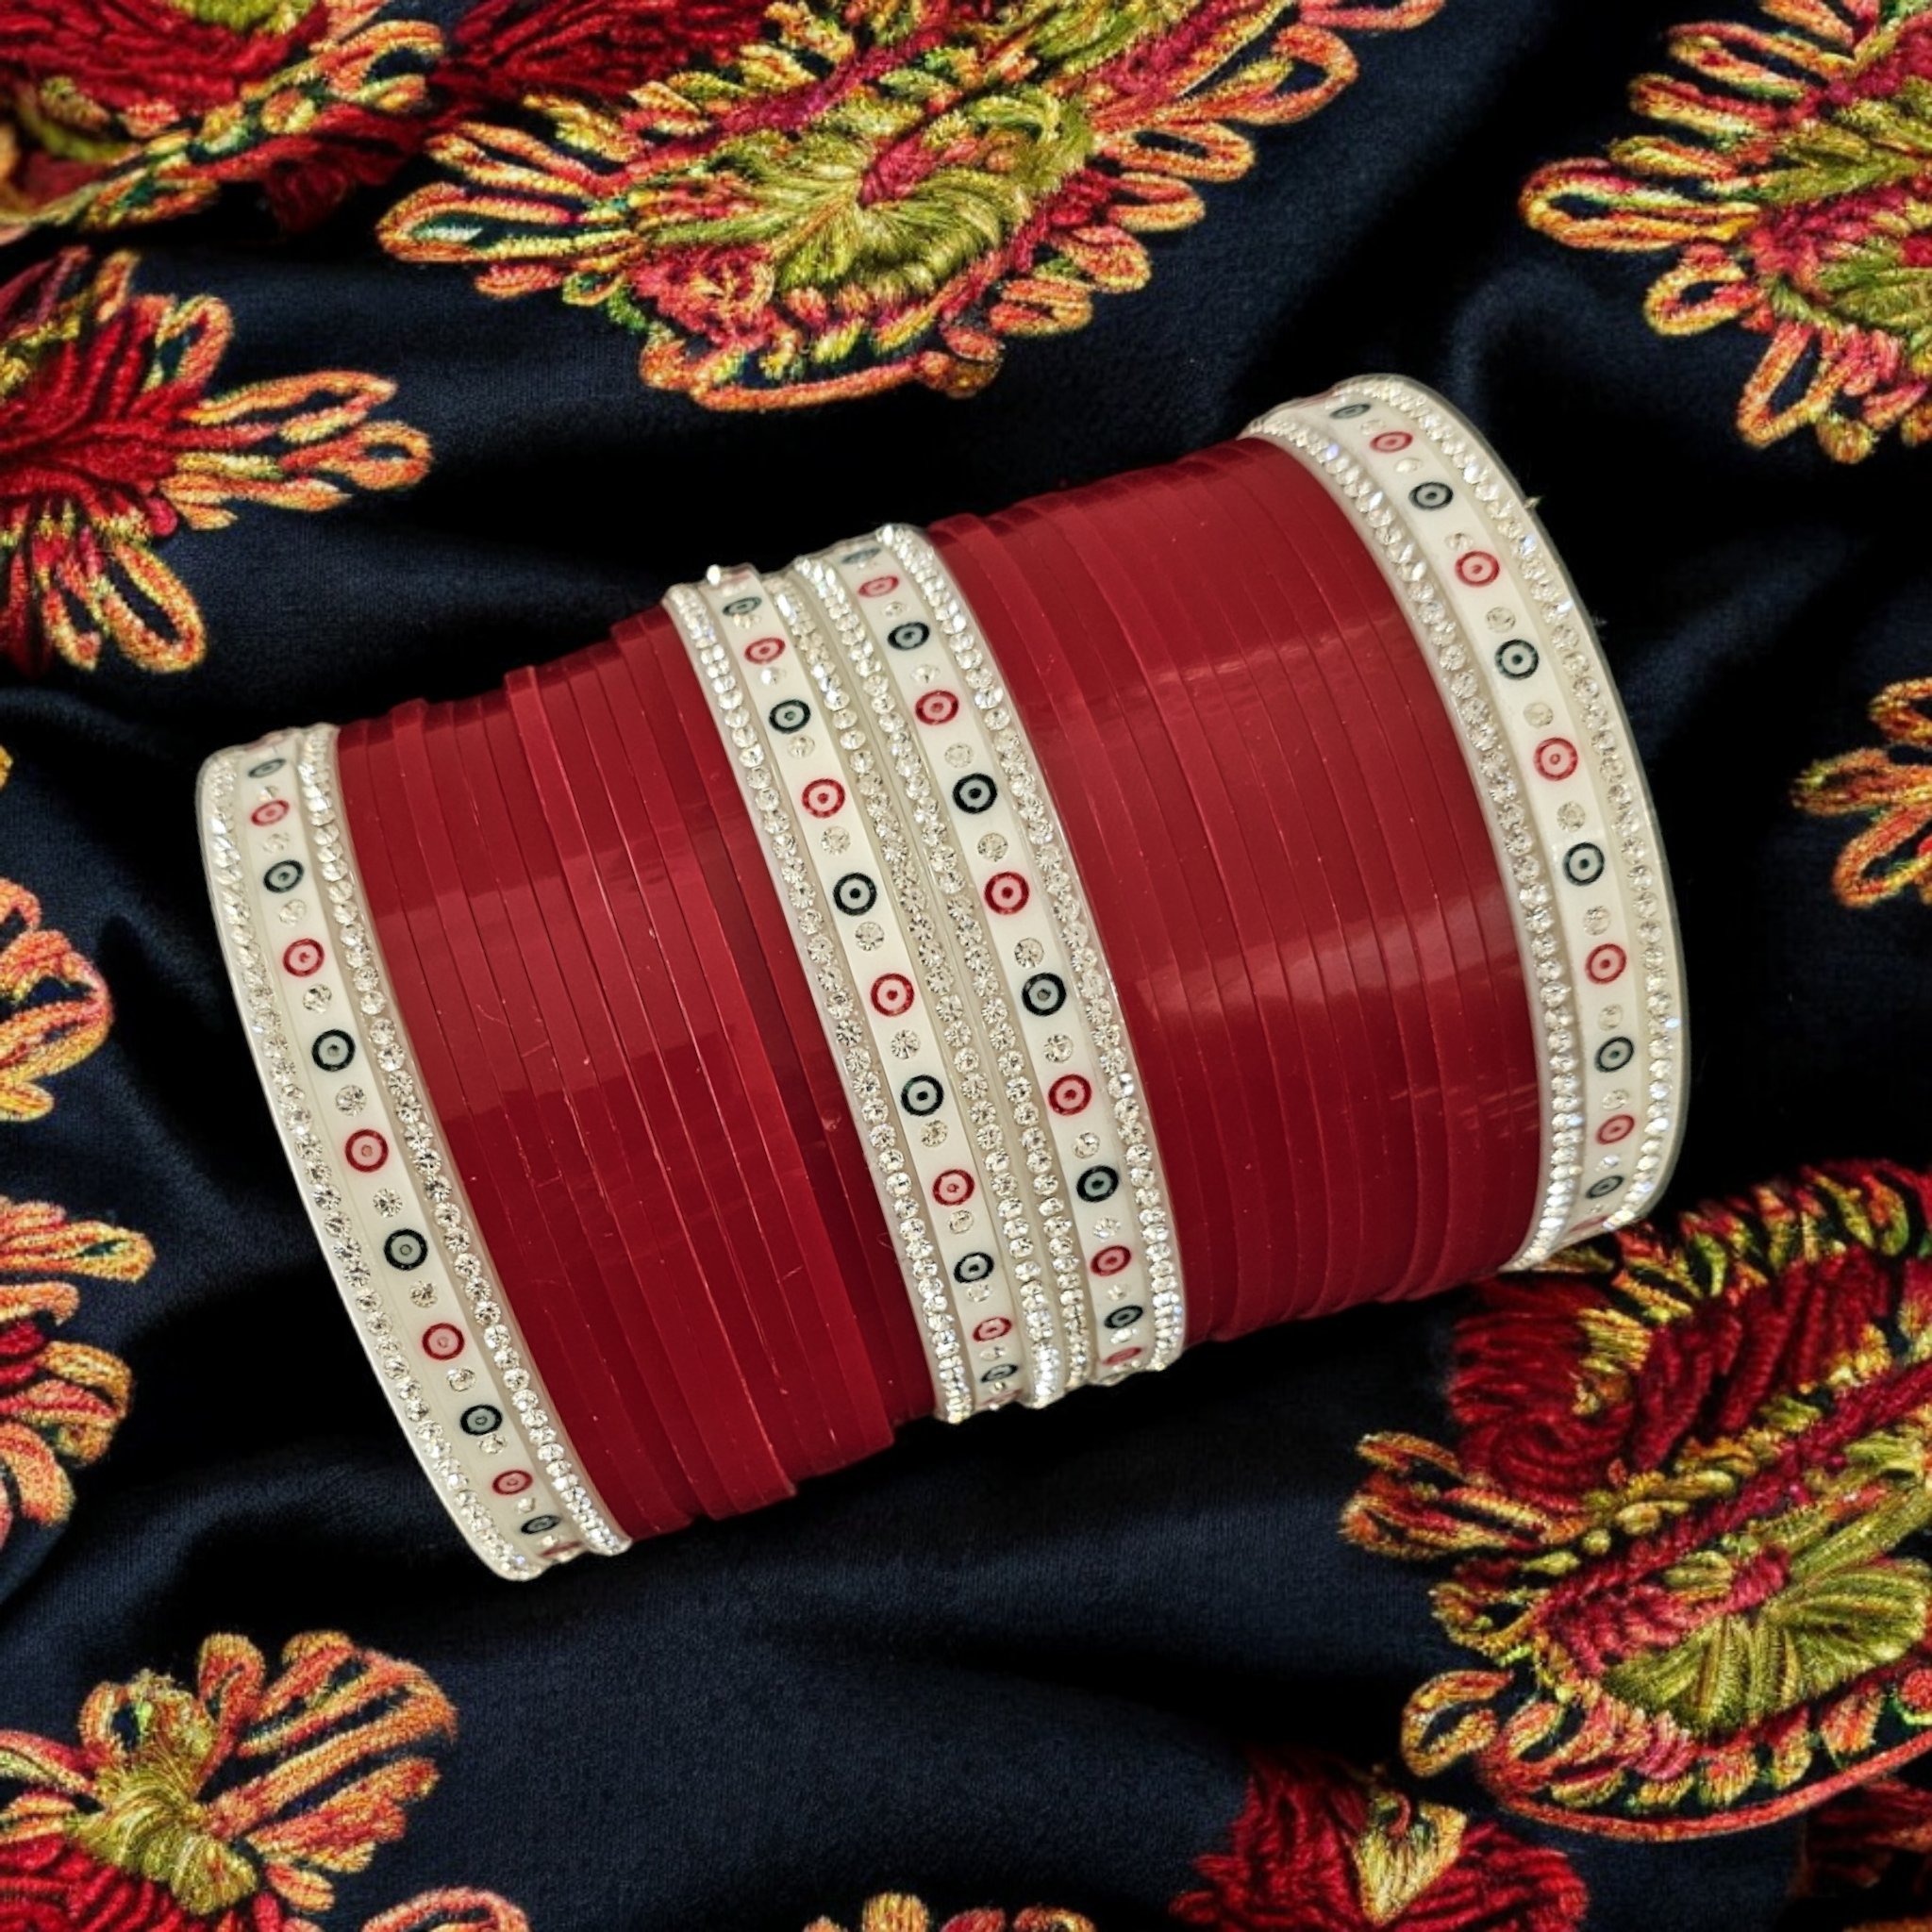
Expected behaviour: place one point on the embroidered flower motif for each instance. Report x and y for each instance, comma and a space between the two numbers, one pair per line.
1791, 175
1890, 788
133, 111
1319, 1844
54, 1006
60, 1402
881, 193
233, 1806
898, 1911
1687, 1515
111, 440
511, 50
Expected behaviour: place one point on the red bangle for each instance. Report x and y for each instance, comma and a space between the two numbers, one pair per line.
710, 986
1396, 1011
645, 901
1356, 1188
703, 792
585, 1383
1488, 1211
404, 776
730, 1446
634, 1005
1101, 632
505, 913
1152, 998
1307, 1130
473, 1123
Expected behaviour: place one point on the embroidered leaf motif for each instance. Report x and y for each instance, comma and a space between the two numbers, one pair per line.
1792, 179
1688, 1515
873, 196
54, 1006
111, 440
1890, 788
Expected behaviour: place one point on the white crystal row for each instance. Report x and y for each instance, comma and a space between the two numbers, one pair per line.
319, 1178
462, 1246
913, 1233
1094, 984
1637, 857
1055, 1362
1524, 549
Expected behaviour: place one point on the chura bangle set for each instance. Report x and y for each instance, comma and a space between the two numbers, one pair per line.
962, 967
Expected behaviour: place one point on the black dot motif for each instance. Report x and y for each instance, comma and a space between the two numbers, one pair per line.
1583, 865
1348, 409
1613, 1055
855, 894
1432, 495
790, 714
908, 636
540, 1525
922, 1095
742, 606
1598, 1190
1125, 1318
333, 1050
1000, 1372
1097, 1183
974, 1267
975, 793
481, 1420
864, 554
267, 769
284, 875
406, 1248
1519, 658
1044, 993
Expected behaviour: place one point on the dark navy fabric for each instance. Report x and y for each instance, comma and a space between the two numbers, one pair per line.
1022, 1661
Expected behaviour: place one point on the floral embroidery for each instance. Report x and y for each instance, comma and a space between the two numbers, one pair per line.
898, 1911
54, 1006
1320, 1844
881, 191
111, 440
133, 111
513, 50
1791, 178
60, 1402
1890, 788
1686, 1514
1874, 1840
231, 1806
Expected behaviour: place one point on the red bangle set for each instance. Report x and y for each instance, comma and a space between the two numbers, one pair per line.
1347, 946
1281, 822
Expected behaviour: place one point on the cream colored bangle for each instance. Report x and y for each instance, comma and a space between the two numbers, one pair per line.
1139, 1262
1522, 674
387, 1204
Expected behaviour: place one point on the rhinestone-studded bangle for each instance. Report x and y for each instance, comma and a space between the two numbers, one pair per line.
1074, 1155
1153, 1260
1025, 1185
763, 698
1520, 670
374, 1176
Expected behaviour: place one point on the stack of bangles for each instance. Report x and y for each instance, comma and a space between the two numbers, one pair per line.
959, 968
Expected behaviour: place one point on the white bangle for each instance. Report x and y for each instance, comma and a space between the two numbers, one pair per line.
388, 1206
1547, 743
